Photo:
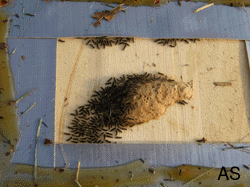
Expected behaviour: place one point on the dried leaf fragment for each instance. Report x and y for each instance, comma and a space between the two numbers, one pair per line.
3, 2
99, 15
109, 17
47, 141
106, 14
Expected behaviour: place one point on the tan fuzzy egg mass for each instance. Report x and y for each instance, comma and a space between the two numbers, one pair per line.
154, 98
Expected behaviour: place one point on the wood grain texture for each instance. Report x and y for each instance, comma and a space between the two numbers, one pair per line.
217, 113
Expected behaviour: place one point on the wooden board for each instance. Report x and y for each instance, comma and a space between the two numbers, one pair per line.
219, 114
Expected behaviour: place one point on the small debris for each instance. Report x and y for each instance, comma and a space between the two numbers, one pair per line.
27, 14
204, 7
181, 170
78, 184
3, 45
209, 69
182, 102
162, 184
222, 83
171, 179
1, 117
61, 170
11, 102
22, 96
23, 57
247, 167
243, 6
132, 175
233, 147
44, 124
28, 109
156, 2
11, 148
47, 142
78, 167
179, 2
7, 154
151, 170
37, 136
111, 6
229, 144
142, 160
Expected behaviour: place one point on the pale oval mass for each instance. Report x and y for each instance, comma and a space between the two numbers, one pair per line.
154, 98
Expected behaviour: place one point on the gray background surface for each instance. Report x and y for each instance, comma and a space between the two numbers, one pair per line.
69, 19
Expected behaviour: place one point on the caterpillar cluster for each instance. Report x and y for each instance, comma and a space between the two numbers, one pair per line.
104, 41
172, 42
110, 110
